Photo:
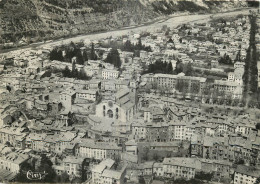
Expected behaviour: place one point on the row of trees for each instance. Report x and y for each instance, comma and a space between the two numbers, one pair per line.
251, 90
166, 68
74, 73
254, 57
128, 46
73, 50
207, 94
160, 67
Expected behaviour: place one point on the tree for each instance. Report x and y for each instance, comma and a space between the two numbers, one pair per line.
71, 118
82, 75
238, 56
225, 60
53, 54
128, 46
113, 58
179, 85
257, 181
167, 32
93, 55
64, 178
66, 72
56, 54
141, 180
117, 162
188, 69
239, 161
79, 58
195, 88
204, 176
179, 67
9, 88
74, 71
139, 44
21, 177
85, 56
44, 164
145, 153
155, 157
160, 67
169, 68
170, 41
257, 126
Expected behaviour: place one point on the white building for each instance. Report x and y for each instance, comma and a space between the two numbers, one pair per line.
224, 85
158, 169
179, 130
110, 74
87, 95
139, 131
131, 147
103, 173
12, 161
246, 175
73, 165
239, 65
97, 150
179, 167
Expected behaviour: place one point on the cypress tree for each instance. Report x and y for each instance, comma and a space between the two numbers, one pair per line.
85, 56
93, 55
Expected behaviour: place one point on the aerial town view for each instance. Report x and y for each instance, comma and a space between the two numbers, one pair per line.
130, 91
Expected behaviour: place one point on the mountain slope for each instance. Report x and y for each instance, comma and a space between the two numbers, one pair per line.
37, 20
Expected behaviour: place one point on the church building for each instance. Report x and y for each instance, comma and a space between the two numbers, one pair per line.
121, 107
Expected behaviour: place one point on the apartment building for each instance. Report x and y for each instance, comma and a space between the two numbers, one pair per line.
73, 166
104, 173
11, 162
110, 74
90, 95
246, 174
179, 167
88, 148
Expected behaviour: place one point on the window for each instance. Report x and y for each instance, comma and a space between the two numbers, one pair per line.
116, 113
110, 113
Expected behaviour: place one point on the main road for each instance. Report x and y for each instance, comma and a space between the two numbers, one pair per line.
171, 21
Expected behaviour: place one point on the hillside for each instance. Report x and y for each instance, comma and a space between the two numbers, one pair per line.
26, 21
